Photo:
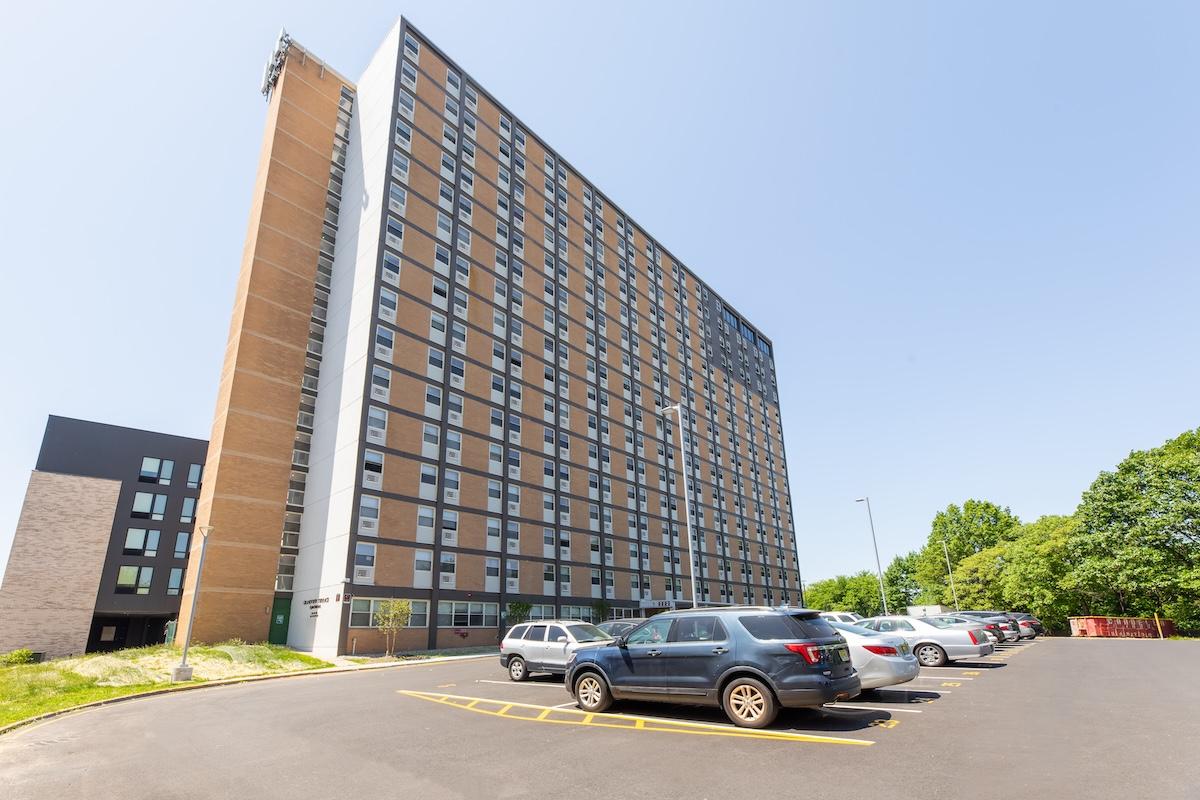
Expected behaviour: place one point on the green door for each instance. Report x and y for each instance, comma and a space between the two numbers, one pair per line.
280, 612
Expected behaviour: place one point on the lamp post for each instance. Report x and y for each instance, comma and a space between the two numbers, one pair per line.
950, 572
183, 672
878, 568
687, 503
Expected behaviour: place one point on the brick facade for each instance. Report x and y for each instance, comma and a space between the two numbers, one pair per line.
60, 542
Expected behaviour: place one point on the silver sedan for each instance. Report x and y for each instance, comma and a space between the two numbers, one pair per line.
881, 659
934, 643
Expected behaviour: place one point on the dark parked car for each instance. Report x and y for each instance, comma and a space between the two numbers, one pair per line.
1033, 621
617, 627
1006, 622
747, 660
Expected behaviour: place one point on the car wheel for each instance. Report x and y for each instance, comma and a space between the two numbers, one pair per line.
591, 692
930, 655
516, 669
749, 703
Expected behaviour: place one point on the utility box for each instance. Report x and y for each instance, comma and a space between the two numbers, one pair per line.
926, 611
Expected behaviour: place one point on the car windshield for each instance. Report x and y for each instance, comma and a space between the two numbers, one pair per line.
859, 629
588, 633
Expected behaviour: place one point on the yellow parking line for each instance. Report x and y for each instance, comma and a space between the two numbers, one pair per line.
658, 725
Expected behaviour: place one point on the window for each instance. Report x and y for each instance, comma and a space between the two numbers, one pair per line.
460, 614
149, 506
195, 472
175, 580
652, 632
363, 611
698, 629
408, 74
407, 104
134, 580
411, 48
156, 470
188, 514
140, 542
364, 554
182, 540
397, 199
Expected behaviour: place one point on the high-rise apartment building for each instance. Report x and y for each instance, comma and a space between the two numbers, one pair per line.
101, 546
448, 378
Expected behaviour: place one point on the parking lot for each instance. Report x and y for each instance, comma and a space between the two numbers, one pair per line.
1049, 718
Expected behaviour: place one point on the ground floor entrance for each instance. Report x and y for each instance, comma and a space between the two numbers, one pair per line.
117, 632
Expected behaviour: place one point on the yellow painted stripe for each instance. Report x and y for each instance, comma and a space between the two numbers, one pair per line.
611, 720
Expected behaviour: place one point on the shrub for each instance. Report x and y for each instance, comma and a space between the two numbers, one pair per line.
22, 656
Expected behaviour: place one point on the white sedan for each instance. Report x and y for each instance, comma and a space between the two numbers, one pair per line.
934, 643
880, 659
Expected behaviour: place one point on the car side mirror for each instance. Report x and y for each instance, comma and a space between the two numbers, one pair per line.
622, 642
562, 639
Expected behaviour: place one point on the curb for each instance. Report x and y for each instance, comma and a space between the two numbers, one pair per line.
185, 687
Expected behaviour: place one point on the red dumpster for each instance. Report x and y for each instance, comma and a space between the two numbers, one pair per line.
1121, 627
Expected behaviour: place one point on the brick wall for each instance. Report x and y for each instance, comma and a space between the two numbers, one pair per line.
60, 543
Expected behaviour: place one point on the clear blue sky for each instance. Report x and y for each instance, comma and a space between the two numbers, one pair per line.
970, 229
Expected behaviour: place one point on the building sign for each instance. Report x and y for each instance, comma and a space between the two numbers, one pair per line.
657, 604
314, 606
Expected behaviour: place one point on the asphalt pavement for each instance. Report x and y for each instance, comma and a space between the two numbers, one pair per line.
1055, 718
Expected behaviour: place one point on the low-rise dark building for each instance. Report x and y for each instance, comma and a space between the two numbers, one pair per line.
101, 547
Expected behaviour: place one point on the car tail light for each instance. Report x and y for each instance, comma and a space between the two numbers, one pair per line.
974, 639
810, 651
881, 650
1025, 624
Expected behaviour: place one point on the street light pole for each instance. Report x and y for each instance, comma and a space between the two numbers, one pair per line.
950, 572
687, 503
878, 568
183, 672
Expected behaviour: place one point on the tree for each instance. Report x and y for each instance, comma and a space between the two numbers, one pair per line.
858, 592
1035, 567
974, 527
977, 579
391, 617
601, 610
518, 613
1137, 548
900, 582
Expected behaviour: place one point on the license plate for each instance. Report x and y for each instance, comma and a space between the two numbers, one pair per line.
904, 648
843, 653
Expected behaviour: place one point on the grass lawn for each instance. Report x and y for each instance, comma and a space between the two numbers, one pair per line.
27, 690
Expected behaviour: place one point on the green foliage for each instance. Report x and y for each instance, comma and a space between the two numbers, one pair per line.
1035, 565
21, 655
391, 617
977, 579
971, 529
858, 592
601, 610
1137, 549
1132, 547
900, 582
518, 613
27, 690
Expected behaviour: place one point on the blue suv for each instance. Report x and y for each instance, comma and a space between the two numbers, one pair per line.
747, 660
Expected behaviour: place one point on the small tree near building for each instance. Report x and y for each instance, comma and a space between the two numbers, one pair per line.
391, 617
518, 613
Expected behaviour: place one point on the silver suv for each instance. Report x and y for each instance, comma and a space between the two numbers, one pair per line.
545, 645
